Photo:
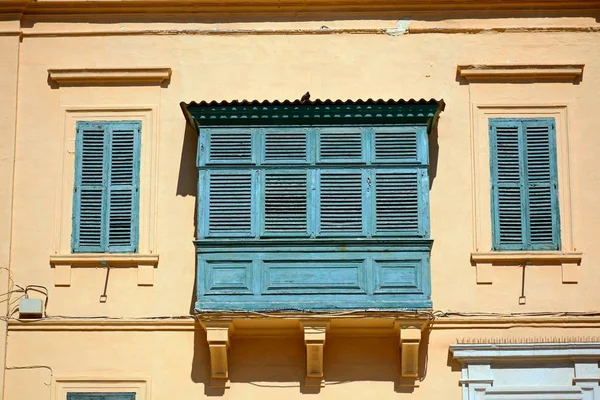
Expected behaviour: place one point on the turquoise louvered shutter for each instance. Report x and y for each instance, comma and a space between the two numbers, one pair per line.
123, 187
101, 396
286, 205
341, 197
399, 201
230, 203
524, 185
106, 189
89, 193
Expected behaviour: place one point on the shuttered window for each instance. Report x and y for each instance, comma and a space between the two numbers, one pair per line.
524, 184
313, 182
100, 396
106, 192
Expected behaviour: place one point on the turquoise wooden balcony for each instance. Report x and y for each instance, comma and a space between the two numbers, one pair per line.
313, 206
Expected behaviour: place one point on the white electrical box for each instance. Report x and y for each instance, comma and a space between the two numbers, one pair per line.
31, 308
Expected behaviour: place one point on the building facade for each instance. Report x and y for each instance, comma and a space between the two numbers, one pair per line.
353, 199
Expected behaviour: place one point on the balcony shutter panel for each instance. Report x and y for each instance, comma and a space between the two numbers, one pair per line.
123, 187
507, 185
395, 146
286, 202
341, 196
285, 145
397, 202
230, 146
340, 145
542, 204
90, 180
230, 203
101, 396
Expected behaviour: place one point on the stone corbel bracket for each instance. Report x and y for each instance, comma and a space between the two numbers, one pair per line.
410, 344
314, 339
86, 76
217, 336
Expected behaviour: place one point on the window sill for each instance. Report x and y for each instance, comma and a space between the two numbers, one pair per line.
62, 264
569, 262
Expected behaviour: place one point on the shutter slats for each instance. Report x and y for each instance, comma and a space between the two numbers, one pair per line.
341, 202
524, 181
340, 146
122, 189
285, 146
89, 190
101, 396
397, 201
230, 146
106, 188
390, 146
285, 202
230, 204
539, 173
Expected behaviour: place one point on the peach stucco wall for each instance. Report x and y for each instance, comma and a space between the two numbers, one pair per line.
360, 61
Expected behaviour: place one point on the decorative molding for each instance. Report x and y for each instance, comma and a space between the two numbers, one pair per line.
62, 264
482, 258
499, 73
217, 336
82, 76
533, 374
569, 262
476, 352
141, 386
65, 7
314, 340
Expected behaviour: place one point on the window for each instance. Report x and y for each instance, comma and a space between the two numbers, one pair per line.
100, 396
524, 180
313, 182
106, 191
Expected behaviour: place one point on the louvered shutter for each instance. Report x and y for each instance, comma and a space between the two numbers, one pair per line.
101, 396
230, 203
507, 185
123, 187
341, 202
229, 146
524, 189
397, 202
340, 145
89, 191
285, 145
542, 199
285, 203
395, 145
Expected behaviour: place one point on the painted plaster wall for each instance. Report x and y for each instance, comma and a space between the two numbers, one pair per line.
281, 66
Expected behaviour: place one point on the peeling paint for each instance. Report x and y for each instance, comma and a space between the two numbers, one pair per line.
400, 29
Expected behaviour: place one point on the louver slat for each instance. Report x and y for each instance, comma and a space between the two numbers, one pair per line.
230, 146
89, 193
122, 188
508, 186
285, 202
340, 145
281, 146
341, 202
395, 146
540, 187
397, 202
230, 204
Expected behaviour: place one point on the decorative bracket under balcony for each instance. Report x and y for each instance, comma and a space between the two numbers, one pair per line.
217, 336
410, 342
314, 339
